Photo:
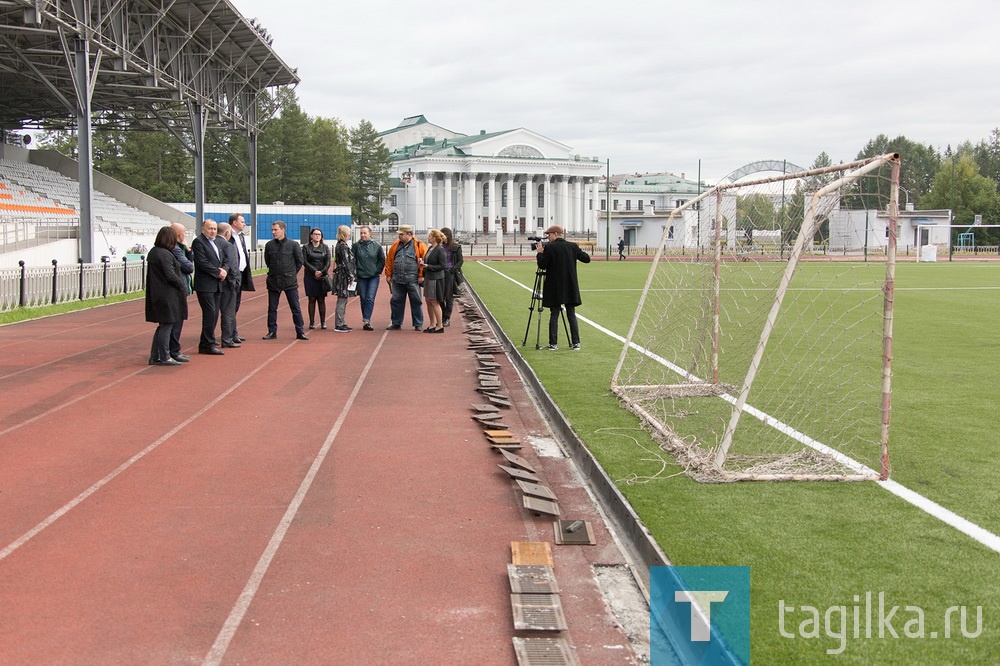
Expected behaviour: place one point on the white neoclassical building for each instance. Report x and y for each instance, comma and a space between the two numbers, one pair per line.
500, 182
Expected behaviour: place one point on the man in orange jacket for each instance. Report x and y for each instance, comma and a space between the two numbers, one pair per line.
404, 272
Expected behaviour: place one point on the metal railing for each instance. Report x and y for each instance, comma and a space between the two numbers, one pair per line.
35, 286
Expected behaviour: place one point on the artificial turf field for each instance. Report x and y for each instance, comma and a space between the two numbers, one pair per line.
820, 545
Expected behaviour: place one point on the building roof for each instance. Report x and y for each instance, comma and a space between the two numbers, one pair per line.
147, 61
658, 183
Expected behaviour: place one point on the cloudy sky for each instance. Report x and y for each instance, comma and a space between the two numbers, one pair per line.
654, 85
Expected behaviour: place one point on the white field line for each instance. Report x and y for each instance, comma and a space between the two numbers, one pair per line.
218, 650
875, 289
66, 508
963, 525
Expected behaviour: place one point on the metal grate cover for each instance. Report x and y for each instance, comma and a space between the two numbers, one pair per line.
538, 612
539, 505
532, 579
518, 461
536, 490
543, 651
519, 473
569, 533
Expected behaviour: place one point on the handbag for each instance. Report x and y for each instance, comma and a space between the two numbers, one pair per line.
327, 283
352, 287
459, 277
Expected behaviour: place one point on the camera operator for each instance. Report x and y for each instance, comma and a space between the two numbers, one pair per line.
558, 259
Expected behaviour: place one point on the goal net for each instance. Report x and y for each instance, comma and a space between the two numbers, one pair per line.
762, 343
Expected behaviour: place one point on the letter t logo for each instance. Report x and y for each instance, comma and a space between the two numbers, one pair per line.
701, 610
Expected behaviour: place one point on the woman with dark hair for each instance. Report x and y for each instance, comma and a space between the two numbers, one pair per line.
316, 259
453, 264
166, 297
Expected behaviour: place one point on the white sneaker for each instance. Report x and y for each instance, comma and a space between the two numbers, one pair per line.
575, 347
550, 347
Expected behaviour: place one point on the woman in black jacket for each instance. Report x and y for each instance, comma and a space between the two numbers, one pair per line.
316, 259
166, 297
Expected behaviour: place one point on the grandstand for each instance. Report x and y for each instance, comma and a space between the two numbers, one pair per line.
40, 219
191, 67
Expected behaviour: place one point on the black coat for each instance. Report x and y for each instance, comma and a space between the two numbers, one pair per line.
284, 261
207, 263
232, 255
558, 260
166, 288
246, 275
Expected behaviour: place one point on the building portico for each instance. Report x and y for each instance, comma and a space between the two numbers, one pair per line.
511, 181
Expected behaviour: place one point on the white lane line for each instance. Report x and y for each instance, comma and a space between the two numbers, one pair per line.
63, 510
218, 651
65, 358
963, 525
71, 402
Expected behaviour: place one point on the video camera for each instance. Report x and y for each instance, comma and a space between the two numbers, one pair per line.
537, 242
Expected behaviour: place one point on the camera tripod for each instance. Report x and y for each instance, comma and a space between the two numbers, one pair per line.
536, 305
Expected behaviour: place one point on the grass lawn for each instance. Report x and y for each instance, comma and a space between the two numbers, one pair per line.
819, 545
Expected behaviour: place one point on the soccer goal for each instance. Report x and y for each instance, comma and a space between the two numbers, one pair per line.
756, 352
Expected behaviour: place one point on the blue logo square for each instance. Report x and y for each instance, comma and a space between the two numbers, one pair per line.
699, 615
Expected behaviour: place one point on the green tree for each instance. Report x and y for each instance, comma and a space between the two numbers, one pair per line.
156, 163
958, 185
755, 211
987, 156
226, 176
332, 163
370, 178
285, 151
918, 164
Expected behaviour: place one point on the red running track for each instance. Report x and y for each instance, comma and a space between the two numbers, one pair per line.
292, 502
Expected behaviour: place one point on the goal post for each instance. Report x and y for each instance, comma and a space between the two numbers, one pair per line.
750, 315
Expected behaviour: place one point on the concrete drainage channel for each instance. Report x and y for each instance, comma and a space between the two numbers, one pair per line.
626, 592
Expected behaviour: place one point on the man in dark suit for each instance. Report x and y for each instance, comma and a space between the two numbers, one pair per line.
210, 270
239, 239
558, 259
230, 287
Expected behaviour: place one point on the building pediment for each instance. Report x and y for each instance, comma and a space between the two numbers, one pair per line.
520, 143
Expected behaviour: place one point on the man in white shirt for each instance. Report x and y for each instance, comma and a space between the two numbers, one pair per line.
239, 239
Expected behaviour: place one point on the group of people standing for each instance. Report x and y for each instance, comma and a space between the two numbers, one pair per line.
216, 267
219, 263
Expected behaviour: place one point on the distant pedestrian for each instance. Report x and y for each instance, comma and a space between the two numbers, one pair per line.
283, 258
405, 277
454, 261
239, 239
316, 259
436, 280
369, 262
230, 288
621, 249
210, 270
344, 284
166, 298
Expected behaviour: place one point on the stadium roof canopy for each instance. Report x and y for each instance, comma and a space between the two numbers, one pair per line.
149, 60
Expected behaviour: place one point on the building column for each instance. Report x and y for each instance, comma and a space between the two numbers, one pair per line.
469, 203
448, 214
595, 204
548, 214
491, 208
581, 204
418, 217
564, 203
429, 217
513, 202
529, 205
